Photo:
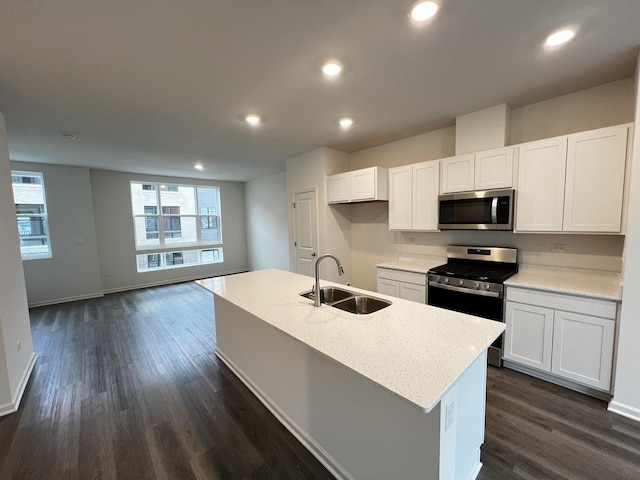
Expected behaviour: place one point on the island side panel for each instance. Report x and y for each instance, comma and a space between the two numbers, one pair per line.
356, 428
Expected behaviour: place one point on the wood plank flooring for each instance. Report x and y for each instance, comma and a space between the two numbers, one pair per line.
127, 387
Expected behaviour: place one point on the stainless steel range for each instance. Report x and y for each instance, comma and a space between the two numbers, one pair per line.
472, 281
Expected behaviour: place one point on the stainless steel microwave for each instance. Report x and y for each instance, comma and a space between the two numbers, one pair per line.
485, 210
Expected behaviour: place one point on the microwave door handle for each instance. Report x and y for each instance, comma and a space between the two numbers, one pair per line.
494, 210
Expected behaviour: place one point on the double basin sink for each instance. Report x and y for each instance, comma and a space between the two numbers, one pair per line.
348, 301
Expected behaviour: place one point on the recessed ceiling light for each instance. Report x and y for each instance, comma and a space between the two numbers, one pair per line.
559, 37
198, 166
422, 11
346, 122
332, 68
69, 136
253, 119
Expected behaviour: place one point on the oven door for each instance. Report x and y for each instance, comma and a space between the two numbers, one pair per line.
483, 306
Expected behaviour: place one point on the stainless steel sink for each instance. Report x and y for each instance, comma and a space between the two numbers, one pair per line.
348, 301
361, 304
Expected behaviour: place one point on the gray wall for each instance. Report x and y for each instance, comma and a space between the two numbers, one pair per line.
72, 272
116, 243
15, 359
267, 208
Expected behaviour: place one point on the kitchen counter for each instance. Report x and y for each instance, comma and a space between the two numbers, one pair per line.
413, 350
587, 283
399, 393
410, 265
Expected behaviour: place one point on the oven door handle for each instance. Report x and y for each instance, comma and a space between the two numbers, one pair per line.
483, 293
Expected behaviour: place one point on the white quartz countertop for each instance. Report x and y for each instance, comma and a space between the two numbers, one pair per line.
413, 350
586, 283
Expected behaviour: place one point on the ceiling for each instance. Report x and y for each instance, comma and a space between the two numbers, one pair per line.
155, 86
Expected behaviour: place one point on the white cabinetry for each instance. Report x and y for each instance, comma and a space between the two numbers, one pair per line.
567, 336
413, 197
362, 185
486, 170
573, 183
402, 284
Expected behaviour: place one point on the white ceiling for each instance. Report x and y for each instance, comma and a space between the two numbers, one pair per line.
154, 86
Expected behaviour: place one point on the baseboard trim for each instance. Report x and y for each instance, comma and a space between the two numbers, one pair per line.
171, 281
13, 406
316, 450
56, 301
625, 410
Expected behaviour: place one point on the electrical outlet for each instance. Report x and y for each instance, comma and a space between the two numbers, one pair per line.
558, 247
108, 274
411, 239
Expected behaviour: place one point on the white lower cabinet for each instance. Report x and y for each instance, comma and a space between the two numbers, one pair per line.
402, 284
565, 335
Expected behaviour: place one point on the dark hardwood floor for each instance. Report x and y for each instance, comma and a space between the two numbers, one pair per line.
127, 387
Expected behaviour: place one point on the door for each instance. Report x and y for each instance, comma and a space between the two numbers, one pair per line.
338, 188
540, 192
305, 232
494, 169
426, 181
415, 293
595, 180
457, 174
528, 337
583, 348
400, 198
389, 287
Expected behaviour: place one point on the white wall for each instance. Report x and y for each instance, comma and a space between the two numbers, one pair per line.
72, 272
267, 207
116, 244
626, 393
372, 243
15, 362
307, 172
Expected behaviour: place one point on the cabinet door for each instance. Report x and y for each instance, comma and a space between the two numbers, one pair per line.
540, 192
529, 335
424, 209
338, 188
595, 180
415, 293
363, 184
389, 287
494, 169
400, 197
583, 348
457, 174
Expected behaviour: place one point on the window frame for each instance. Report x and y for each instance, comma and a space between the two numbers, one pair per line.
44, 215
170, 213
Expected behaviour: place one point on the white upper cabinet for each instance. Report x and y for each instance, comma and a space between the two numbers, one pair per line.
458, 173
362, 185
573, 183
338, 188
595, 180
540, 192
494, 169
486, 170
413, 197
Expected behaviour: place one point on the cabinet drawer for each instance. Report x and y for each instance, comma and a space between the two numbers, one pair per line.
402, 276
560, 301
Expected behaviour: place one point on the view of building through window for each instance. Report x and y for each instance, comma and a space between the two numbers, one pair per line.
170, 216
31, 212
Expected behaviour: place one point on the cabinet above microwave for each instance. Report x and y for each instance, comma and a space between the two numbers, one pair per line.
364, 185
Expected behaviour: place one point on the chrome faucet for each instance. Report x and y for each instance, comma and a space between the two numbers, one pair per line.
316, 287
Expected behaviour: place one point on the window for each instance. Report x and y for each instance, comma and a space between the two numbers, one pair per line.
170, 216
31, 214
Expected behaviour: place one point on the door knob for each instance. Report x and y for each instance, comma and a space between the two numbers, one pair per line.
313, 254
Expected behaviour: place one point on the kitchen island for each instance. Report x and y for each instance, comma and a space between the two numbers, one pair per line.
398, 393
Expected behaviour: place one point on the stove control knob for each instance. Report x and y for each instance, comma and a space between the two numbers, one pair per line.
460, 282
446, 279
487, 286
476, 285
